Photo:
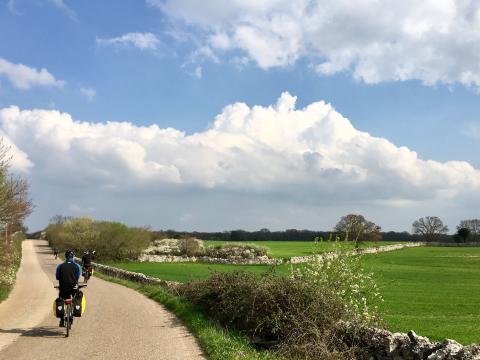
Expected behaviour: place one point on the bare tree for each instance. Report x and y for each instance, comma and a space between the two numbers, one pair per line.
15, 205
429, 227
473, 225
356, 228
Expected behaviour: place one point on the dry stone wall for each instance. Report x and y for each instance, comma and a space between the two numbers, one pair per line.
133, 276
265, 260
379, 344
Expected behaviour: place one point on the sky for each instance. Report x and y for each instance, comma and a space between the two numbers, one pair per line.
245, 114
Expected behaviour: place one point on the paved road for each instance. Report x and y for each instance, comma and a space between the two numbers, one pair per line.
118, 323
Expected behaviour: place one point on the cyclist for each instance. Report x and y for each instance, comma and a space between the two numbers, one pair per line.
87, 262
68, 274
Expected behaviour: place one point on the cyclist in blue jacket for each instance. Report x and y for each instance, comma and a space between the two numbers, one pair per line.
68, 274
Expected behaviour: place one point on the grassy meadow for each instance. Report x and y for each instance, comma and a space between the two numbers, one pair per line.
432, 290
287, 249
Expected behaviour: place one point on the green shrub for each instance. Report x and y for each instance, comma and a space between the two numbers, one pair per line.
298, 316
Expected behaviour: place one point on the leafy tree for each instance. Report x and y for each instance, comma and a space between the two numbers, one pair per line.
463, 233
430, 228
473, 225
111, 240
356, 228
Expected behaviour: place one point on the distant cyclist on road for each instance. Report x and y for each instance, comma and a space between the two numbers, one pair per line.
87, 262
68, 274
87, 258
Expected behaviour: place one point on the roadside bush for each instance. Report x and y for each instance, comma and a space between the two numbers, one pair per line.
298, 316
239, 251
10, 256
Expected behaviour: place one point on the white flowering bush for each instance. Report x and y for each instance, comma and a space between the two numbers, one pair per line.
10, 255
346, 279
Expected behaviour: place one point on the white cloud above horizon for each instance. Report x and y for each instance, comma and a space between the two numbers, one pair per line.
309, 157
24, 77
433, 41
142, 41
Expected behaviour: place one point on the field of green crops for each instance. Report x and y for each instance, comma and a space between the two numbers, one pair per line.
432, 290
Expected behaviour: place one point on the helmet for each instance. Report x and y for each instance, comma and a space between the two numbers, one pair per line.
85, 252
69, 254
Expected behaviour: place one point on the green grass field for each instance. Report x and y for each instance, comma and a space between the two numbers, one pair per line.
432, 290
287, 249
184, 272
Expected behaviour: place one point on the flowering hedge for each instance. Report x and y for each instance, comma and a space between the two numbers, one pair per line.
10, 256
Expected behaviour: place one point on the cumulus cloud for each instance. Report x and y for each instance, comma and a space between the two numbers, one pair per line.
312, 155
88, 92
24, 77
142, 41
434, 41
19, 163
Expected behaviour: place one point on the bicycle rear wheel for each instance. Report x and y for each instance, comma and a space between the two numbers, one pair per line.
67, 320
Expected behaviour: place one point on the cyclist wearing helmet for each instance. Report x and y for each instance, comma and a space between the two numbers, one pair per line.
87, 259
87, 262
68, 274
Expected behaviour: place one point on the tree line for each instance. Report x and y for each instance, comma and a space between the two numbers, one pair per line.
352, 227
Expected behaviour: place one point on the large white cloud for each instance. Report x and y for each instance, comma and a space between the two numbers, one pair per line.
274, 149
24, 77
434, 41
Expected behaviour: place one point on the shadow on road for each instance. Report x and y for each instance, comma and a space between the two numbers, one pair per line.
42, 245
43, 331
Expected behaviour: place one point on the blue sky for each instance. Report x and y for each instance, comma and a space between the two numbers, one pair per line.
184, 76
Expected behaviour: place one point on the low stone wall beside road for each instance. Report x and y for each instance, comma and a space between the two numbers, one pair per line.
133, 276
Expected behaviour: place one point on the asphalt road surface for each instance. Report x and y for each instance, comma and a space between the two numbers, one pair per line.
118, 322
